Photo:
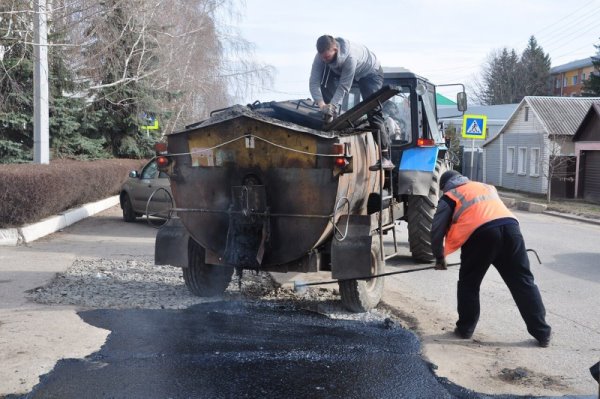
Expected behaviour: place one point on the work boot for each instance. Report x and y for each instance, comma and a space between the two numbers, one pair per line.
544, 342
461, 334
387, 165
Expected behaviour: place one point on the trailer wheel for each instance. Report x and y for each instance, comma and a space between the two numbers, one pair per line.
363, 295
202, 279
129, 214
421, 210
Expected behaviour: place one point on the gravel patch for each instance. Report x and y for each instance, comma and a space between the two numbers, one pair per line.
139, 283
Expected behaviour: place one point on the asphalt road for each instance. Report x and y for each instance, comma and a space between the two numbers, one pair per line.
245, 350
569, 281
255, 349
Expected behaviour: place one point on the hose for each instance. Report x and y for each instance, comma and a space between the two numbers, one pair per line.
301, 284
298, 285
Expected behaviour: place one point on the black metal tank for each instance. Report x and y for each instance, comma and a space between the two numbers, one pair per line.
257, 191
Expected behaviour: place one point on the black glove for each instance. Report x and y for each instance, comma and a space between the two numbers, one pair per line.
440, 264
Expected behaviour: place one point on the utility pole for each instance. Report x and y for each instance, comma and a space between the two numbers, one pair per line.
41, 126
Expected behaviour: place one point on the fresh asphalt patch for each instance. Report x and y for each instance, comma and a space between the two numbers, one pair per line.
246, 349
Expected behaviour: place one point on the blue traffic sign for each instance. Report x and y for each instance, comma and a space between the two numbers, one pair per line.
474, 126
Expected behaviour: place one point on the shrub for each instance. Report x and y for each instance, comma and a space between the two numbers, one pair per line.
31, 192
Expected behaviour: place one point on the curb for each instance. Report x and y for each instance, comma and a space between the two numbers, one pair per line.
572, 217
534, 207
31, 232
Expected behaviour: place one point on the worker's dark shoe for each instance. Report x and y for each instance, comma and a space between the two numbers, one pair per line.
461, 334
387, 165
544, 342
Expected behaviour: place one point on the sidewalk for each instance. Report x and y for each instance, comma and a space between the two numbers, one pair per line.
34, 336
31, 232
567, 209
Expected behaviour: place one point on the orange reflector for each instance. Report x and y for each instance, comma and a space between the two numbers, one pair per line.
160, 147
162, 161
421, 142
340, 161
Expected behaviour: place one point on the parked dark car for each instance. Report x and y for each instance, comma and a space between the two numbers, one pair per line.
146, 193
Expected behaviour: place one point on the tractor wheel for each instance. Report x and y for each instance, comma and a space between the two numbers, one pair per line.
202, 279
128, 212
363, 295
421, 210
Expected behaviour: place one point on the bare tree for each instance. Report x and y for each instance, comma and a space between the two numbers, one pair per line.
181, 58
555, 161
177, 47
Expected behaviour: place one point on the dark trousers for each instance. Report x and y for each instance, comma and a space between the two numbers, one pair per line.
367, 85
502, 246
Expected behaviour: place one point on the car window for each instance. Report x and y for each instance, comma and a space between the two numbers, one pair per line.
150, 171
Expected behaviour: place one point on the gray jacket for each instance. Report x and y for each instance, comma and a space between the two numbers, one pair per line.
354, 62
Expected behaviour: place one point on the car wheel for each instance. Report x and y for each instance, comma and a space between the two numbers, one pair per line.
128, 212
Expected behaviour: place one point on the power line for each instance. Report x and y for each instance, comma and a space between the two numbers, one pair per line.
594, 24
562, 21
574, 37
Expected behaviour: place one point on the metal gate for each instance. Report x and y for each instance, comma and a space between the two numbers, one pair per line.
591, 176
475, 172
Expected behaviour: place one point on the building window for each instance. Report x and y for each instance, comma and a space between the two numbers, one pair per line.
574, 79
522, 161
583, 76
510, 160
557, 83
565, 82
534, 162
526, 114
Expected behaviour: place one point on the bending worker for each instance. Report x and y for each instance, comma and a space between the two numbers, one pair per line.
471, 216
336, 66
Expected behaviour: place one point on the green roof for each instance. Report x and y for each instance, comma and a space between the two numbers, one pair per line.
441, 100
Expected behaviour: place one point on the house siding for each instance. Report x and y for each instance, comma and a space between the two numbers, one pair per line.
523, 182
587, 141
561, 77
534, 123
520, 125
493, 163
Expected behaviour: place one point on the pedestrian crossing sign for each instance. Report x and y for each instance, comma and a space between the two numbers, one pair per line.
474, 126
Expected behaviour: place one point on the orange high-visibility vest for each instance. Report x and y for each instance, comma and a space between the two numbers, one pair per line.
476, 204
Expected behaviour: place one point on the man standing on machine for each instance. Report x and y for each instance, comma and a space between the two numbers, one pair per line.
336, 66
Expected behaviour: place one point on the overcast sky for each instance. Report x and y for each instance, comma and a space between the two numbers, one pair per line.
444, 41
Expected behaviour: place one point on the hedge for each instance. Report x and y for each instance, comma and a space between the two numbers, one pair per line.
31, 192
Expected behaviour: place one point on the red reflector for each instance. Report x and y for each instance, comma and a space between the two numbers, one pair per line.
338, 148
341, 162
160, 147
162, 161
425, 142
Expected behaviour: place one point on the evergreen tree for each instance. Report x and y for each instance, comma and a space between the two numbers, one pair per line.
131, 59
16, 86
535, 65
591, 86
68, 130
121, 105
508, 77
501, 76
16, 95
